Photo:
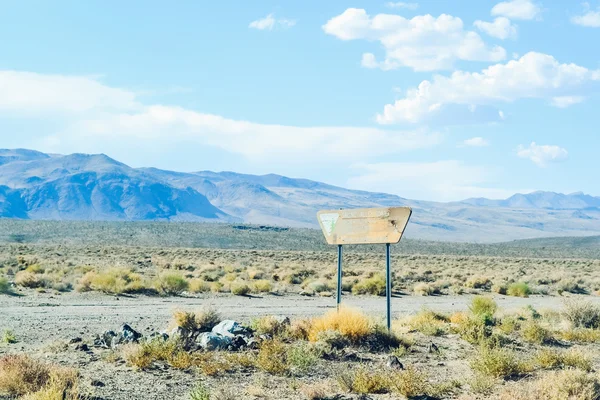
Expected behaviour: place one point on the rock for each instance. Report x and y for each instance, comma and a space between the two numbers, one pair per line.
230, 328
129, 334
306, 293
393, 362
105, 340
97, 383
75, 340
159, 336
238, 342
82, 347
212, 341
253, 343
432, 348
111, 339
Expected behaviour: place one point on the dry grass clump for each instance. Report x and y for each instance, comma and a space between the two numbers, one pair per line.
240, 288
171, 284
478, 282
29, 280
581, 313
374, 285
199, 286
533, 332
425, 289
499, 363
112, 281
581, 335
277, 358
261, 286
570, 384
21, 375
518, 289
427, 322
553, 359
270, 325
349, 322
364, 380
142, 355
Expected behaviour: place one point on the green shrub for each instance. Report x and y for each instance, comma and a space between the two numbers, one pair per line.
533, 332
498, 363
518, 289
200, 392
4, 285
374, 285
171, 284
483, 306
9, 337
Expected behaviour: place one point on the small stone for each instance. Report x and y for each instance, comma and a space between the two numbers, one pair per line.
433, 348
393, 362
97, 383
75, 340
82, 347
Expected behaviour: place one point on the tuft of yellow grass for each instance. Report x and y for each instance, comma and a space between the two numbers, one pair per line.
349, 322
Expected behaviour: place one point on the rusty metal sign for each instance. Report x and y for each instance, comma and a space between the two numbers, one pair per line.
364, 225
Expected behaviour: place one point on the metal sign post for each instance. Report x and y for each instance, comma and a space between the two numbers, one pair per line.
365, 226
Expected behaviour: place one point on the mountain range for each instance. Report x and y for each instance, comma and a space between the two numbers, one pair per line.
35, 185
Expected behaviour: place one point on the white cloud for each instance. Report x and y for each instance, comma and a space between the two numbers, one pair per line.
423, 43
447, 180
566, 101
517, 9
31, 92
590, 19
270, 22
95, 114
500, 28
534, 75
401, 4
476, 142
542, 155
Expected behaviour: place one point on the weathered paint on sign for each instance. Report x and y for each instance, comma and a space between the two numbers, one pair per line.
364, 225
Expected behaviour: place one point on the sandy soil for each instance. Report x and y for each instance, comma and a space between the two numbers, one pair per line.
45, 322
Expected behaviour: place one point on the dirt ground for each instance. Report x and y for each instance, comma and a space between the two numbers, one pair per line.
45, 323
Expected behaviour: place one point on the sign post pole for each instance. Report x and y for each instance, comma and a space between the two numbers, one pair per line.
388, 286
339, 273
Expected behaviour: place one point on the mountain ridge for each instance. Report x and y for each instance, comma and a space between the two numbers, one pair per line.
35, 185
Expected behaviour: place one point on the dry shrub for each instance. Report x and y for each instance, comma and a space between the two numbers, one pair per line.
571, 384
424, 289
374, 285
29, 280
202, 321
552, 359
171, 284
261, 286
21, 375
478, 282
199, 286
269, 325
315, 391
254, 273
533, 332
349, 322
499, 363
365, 380
272, 357
240, 288
300, 329
141, 356
581, 335
483, 306
113, 281
581, 313
518, 289
427, 322
4, 285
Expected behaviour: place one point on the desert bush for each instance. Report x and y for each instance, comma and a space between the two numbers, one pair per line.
499, 288
570, 384
552, 359
240, 288
199, 286
478, 282
302, 357
533, 332
518, 289
142, 355
272, 357
350, 323
200, 392
498, 363
29, 280
571, 286
171, 284
427, 322
113, 281
261, 286
4, 285
581, 313
473, 329
484, 307
254, 273
509, 324
207, 319
21, 375
332, 340
581, 335
365, 380
424, 289
374, 285
300, 329
8, 337
269, 325
35, 269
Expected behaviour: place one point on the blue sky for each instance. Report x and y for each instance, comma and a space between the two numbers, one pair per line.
430, 100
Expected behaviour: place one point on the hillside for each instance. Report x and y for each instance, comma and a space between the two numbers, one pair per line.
42, 186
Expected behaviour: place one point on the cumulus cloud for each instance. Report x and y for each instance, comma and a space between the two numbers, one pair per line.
500, 28
517, 9
423, 43
590, 19
476, 142
401, 4
542, 155
446, 180
534, 75
270, 22
94, 113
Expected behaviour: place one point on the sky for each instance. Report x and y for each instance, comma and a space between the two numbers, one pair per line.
430, 100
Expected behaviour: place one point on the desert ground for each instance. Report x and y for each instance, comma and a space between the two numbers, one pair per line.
508, 321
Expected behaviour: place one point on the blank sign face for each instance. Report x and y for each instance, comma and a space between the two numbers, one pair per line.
364, 225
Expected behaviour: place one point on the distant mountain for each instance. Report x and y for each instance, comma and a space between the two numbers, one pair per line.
35, 185
546, 200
